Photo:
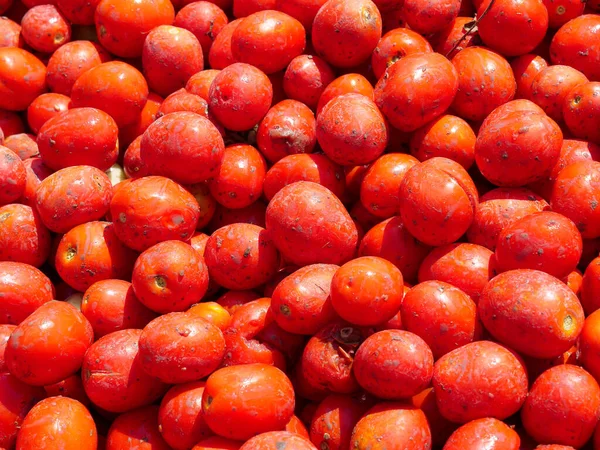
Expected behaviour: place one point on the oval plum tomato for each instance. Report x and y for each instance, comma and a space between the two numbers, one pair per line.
589, 287
562, 407
13, 176
551, 86
183, 146
213, 313
181, 100
301, 302
58, 419
218, 443
301, 167
10, 32
427, 17
531, 311
45, 29
114, 87
199, 83
23, 289
123, 27
478, 380
512, 27
49, 346
22, 78
471, 436
220, 54
44, 108
544, 241
288, 128
242, 401
466, 266
437, 201
256, 40
575, 196
393, 364
79, 136
179, 348
240, 96
136, 429
79, 12
73, 196
525, 140
170, 56
589, 344
180, 419
274, 440
310, 225
430, 75
576, 45
367, 291
154, 209
525, 68
351, 83
91, 252
33, 245
239, 180
391, 422
111, 305
579, 109
442, 315
253, 214
113, 377
441, 428
453, 38
395, 45
351, 130
305, 79
241, 256
345, 33
485, 81
205, 20
16, 399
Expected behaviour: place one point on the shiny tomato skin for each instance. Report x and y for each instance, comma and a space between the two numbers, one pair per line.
113, 377
396, 422
11, 33
153, 209
205, 20
576, 44
149, 113
473, 434
213, 313
551, 87
305, 79
220, 54
253, 214
23, 144
302, 10
232, 300
45, 29
589, 286
446, 41
33, 245
5, 332
115, 87
562, 406
243, 8
481, 379
22, 76
395, 45
345, 84
579, 109
218, 443
13, 176
181, 100
516, 105
428, 18
562, 11
242, 401
137, 429
44, 108
58, 420
525, 68
49, 345
24, 289
589, 345
531, 311
199, 83
276, 439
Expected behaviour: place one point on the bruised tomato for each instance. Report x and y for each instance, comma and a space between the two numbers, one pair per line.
22, 78
136, 429
471, 435
33, 245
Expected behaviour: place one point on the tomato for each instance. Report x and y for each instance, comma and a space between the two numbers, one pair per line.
22, 78
58, 420
113, 377
551, 86
23, 144
512, 27
49, 345
153, 209
579, 108
44, 108
5, 332
429, 74
575, 44
133, 165
128, 133
589, 345
446, 41
478, 380
33, 245
395, 45
11, 123
180, 101
199, 83
562, 406
345, 33
24, 289
243, 8
114, 87
71, 387
274, 440
232, 300
305, 79
10, 32
253, 214
441, 428
242, 401
351, 83
428, 18
220, 54
471, 435
525, 68
218, 443
213, 313
302, 10
590, 285
45, 29
13, 176
137, 429
388, 422
205, 20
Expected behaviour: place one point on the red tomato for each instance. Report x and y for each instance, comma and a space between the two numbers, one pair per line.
242, 401
562, 406
10, 32
394, 46
427, 18
305, 79
220, 54
137, 429
551, 86
22, 79
11, 123
232, 300
525, 68
44, 108
218, 443
441, 428
205, 20
113, 377
207, 203
49, 346
199, 83
562, 11
133, 165
253, 214
446, 41
5, 332
351, 83
589, 345
180, 101
213, 313
471, 436
590, 285
243, 8
45, 29
33, 245
274, 440
579, 108
13, 176
71, 387
58, 420
23, 144
303, 10
128, 133
478, 380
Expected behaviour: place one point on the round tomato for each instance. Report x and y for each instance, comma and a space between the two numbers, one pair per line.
471, 435
137, 429
205, 20
45, 29
33, 245
579, 109
575, 44
305, 79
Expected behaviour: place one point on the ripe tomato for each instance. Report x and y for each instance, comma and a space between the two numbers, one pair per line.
137, 429
71, 387
395, 45
551, 86
277, 439
525, 68
579, 108
589, 345
589, 285
13, 176
428, 18
10, 32
181, 100
5, 332
446, 41
205, 20
45, 29
213, 313
22, 79
575, 45
305, 79
199, 83
253, 214
242, 401
128, 133
44, 108
232, 300
471, 435
441, 428
352, 83
23, 144
33, 245
217, 443
220, 54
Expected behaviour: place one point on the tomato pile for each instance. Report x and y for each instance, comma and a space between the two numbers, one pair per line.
299, 224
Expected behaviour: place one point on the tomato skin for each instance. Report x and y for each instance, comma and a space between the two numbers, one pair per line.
129, 133
276, 439
13, 176
395, 45
33, 245
5, 332
589, 286
199, 83
44, 108
58, 420
253, 214
471, 435
218, 443
22, 77
396, 422
11, 123
220, 54
579, 108
305, 79
574, 196
231, 411
445, 40
562, 406
45, 29
351, 44
137, 429
486, 380
213, 313
551, 86
133, 165
205, 20
429, 18
589, 345
232, 300
113, 377
345, 84
11, 33
525, 68
181, 100
49, 346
